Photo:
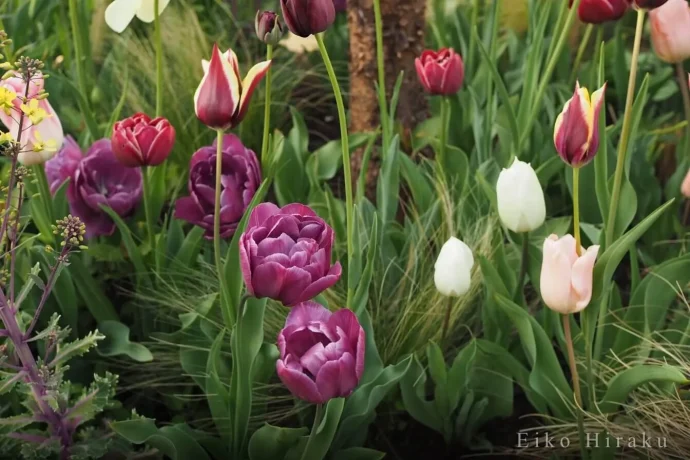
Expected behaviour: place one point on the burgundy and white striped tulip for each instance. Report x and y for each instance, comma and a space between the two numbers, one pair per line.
222, 98
576, 134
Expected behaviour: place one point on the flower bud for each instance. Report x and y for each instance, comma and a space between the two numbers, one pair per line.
520, 197
140, 141
440, 72
685, 186
268, 27
576, 134
453, 268
648, 4
308, 17
598, 11
670, 30
566, 277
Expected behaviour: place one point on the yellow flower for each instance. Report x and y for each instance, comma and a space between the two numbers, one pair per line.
34, 112
39, 145
6, 137
7, 97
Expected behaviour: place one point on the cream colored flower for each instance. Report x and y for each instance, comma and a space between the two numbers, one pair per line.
120, 13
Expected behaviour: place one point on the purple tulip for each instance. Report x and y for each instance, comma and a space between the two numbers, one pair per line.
340, 5
62, 166
321, 353
285, 254
241, 177
99, 179
308, 17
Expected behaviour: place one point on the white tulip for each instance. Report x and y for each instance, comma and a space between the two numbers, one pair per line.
452, 271
520, 197
120, 13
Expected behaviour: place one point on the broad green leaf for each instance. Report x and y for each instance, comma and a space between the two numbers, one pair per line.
630, 379
216, 392
132, 248
272, 442
175, 441
95, 300
413, 391
358, 453
320, 442
117, 343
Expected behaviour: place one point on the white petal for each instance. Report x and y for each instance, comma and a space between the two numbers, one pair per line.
120, 13
146, 11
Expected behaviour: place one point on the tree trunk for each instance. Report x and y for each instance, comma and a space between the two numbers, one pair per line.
403, 41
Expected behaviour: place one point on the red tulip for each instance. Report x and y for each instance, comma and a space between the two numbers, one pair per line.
140, 141
649, 4
308, 17
598, 11
440, 72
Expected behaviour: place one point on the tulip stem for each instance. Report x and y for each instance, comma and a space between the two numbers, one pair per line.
347, 169
524, 265
685, 91
226, 308
576, 210
318, 415
445, 117
267, 113
576, 384
78, 52
159, 59
383, 108
625, 132
147, 209
446, 320
581, 51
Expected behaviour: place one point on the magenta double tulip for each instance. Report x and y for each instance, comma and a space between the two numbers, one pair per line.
321, 353
140, 141
440, 72
222, 98
566, 277
308, 17
670, 29
240, 178
285, 254
599, 11
61, 167
576, 135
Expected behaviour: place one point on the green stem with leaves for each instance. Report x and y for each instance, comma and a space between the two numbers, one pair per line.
576, 210
78, 52
625, 133
318, 416
265, 163
524, 266
581, 50
576, 386
383, 105
147, 209
347, 169
159, 59
226, 307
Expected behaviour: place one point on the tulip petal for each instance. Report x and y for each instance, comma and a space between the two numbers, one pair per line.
261, 213
556, 275
328, 380
249, 84
314, 358
323, 283
349, 377
596, 103
572, 131
346, 320
299, 384
268, 280
296, 282
582, 273
120, 13
146, 12
218, 95
298, 209
306, 312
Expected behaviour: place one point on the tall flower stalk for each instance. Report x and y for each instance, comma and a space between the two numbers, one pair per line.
383, 103
267, 113
159, 60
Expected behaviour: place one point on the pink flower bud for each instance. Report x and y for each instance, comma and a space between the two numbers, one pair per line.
440, 72
599, 11
221, 100
140, 141
685, 187
670, 29
566, 278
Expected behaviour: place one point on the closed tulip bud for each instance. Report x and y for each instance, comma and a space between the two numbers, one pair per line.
440, 72
222, 99
685, 187
576, 134
520, 197
648, 4
285, 254
566, 277
140, 141
268, 27
598, 11
321, 353
308, 17
453, 268
670, 29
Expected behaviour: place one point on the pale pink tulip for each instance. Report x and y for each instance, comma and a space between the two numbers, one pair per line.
685, 187
566, 278
49, 129
670, 30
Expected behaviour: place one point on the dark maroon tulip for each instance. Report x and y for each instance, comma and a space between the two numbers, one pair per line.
268, 27
100, 179
240, 178
649, 4
141, 141
308, 17
340, 5
440, 72
285, 254
62, 166
599, 11
321, 353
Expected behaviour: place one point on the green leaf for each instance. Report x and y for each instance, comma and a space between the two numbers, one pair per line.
358, 453
272, 442
413, 391
77, 348
388, 187
608, 262
130, 245
359, 301
320, 441
216, 393
175, 441
190, 247
323, 164
116, 342
630, 379
601, 159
